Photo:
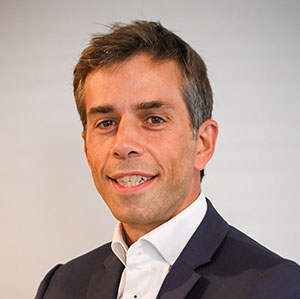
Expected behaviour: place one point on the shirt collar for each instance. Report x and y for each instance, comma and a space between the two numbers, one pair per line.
118, 245
170, 238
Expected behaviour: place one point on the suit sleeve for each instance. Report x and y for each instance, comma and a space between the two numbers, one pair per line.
45, 283
279, 282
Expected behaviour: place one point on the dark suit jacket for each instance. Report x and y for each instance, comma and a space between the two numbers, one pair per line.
218, 262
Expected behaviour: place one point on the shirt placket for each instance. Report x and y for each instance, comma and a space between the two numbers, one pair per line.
138, 272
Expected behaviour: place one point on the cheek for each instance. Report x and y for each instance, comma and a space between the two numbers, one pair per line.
177, 161
95, 160
96, 151
183, 162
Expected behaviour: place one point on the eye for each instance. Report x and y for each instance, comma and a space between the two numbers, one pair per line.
155, 120
105, 124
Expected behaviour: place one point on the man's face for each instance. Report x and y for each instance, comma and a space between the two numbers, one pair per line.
138, 142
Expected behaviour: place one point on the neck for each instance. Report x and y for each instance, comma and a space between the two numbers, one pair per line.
134, 231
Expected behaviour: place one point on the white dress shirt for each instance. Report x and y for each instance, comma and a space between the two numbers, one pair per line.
148, 260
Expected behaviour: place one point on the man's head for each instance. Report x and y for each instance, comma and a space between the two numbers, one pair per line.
125, 41
146, 134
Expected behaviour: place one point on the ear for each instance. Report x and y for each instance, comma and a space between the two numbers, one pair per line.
206, 142
83, 135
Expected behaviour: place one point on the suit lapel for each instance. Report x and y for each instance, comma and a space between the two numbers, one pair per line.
199, 251
105, 282
179, 282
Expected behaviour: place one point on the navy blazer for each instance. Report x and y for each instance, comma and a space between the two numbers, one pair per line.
218, 262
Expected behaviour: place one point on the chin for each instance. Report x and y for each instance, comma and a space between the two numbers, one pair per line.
134, 218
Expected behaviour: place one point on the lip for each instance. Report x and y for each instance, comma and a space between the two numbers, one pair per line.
127, 173
133, 189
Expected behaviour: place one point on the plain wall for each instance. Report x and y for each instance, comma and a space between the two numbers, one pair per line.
50, 211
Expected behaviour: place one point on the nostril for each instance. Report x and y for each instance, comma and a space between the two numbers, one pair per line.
124, 149
116, 154
132, 153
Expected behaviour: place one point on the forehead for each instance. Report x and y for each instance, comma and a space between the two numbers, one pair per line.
138, 79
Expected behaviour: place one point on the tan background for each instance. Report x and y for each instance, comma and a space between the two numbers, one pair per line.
50, 211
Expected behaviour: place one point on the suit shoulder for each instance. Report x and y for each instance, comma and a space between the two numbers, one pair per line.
250, 247
272, 276
73, 275
99, 254
45, 282
245, 268
89, 261
277, 282
246, 253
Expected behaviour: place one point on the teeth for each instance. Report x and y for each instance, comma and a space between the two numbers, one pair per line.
132, 180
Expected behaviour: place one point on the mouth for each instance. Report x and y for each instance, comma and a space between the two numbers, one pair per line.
128, 181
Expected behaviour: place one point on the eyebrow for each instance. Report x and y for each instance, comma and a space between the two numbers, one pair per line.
141, 106
101, 109
151, 105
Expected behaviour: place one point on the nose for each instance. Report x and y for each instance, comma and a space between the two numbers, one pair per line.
126, 142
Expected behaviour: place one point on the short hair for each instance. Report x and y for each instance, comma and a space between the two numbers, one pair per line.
123, 41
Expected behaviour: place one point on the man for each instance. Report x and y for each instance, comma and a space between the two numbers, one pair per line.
145, 103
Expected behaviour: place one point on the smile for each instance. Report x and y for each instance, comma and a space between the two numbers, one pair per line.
132, 180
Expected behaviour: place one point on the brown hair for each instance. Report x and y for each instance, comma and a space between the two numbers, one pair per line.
125, 40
